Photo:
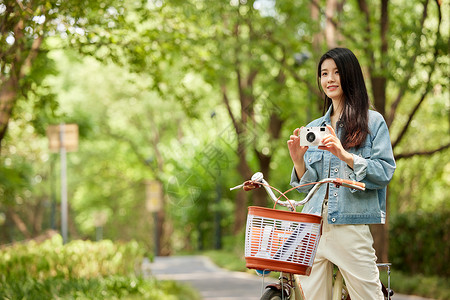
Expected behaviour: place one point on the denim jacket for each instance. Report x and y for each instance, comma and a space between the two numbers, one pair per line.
374, 165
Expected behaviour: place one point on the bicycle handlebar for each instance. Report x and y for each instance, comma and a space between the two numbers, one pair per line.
257, 181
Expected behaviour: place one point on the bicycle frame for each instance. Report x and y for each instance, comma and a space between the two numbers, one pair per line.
287, 282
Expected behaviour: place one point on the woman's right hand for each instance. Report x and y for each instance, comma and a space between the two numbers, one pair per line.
295, 150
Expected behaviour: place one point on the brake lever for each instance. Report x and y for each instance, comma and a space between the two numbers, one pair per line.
237, 187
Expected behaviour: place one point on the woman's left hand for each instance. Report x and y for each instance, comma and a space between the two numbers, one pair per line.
332, 144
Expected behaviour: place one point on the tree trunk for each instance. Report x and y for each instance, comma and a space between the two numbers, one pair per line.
380, 233
160, 231
73, 230
240, 214
38, 216
20, 224
379, 94
330, 27
241, 198
317, 37
8, 95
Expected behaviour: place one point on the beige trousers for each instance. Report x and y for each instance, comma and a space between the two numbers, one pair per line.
350, 248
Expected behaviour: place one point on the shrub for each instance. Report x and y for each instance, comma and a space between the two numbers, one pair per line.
419, 243
74, 260
111, 287
80, 270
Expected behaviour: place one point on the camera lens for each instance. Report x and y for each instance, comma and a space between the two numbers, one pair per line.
310, 137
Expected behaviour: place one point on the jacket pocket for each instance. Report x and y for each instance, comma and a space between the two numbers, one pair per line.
314, 157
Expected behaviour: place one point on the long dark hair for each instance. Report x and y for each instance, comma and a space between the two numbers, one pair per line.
355, 115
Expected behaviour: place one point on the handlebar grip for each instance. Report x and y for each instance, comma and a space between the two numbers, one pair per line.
354, 184
250, 185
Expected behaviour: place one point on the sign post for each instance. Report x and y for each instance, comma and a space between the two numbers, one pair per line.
63, 137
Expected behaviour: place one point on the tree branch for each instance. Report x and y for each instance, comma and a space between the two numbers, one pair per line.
427, 88
294, 74
365, 10
26, 66
384, 25
5, 28
401, 93
421, 153
411, 116
226, 101
275, 123
329, 19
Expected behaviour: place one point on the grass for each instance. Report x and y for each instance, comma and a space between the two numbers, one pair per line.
227, 260
409, 284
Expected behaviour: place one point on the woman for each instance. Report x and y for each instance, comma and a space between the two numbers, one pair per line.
358, 148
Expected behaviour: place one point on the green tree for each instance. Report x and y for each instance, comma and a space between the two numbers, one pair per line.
25, 26
23, 173
131, 135
247, 52
218, 89
246, 58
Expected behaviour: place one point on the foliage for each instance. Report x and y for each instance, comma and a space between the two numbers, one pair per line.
13, 180
134, 128
433, 287
155, 109
27, 100
23, 61
81, 269
419, 242
109, 287
240, 59
421, 183
73, 260
246, 55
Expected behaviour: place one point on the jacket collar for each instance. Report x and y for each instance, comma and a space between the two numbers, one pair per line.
326, 119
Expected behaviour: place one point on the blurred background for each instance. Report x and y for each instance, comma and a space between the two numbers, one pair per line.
175, 101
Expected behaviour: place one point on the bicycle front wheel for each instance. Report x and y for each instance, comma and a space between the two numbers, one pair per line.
271, 294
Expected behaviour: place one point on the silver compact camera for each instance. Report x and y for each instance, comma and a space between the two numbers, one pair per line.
312, 136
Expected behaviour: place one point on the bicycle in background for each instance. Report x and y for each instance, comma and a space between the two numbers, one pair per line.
286, 241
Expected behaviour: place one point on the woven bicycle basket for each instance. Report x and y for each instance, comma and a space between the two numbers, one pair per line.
280, 240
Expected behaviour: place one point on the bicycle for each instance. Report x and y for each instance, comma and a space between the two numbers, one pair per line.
286, 241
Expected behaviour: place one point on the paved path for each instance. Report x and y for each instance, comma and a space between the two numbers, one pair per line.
215, 283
